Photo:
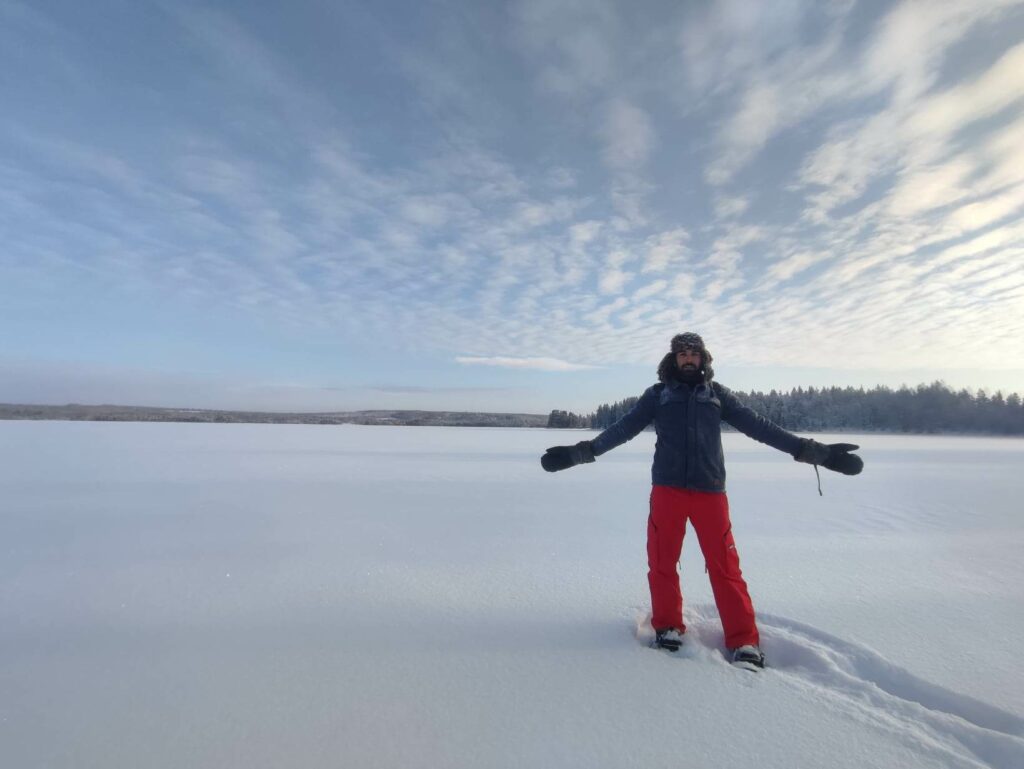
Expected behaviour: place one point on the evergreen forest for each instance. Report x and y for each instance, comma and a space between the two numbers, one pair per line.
933, 408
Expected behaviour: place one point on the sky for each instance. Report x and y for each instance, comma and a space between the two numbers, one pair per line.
507, 206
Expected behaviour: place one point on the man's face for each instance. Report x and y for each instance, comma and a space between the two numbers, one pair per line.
688, 359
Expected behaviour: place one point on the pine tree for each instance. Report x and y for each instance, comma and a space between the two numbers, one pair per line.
933, 408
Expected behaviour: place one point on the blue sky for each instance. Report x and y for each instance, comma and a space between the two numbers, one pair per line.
504, 206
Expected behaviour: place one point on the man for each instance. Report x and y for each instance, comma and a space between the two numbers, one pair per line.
688, 475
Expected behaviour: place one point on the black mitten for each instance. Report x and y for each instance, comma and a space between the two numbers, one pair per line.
840, 459
834, 456
563, 457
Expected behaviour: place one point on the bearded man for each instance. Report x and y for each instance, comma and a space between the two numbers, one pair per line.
688, 475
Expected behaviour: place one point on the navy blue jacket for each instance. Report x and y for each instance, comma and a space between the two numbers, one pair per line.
688, 421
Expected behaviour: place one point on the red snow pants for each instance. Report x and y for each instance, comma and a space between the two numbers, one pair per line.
708, 513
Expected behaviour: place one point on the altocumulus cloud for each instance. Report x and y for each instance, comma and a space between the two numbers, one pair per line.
809, 185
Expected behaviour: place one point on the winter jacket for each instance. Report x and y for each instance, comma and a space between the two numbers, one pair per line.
688, 452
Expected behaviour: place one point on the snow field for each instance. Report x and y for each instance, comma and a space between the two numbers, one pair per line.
221, 595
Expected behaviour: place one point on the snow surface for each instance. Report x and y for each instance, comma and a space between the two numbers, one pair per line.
303, 596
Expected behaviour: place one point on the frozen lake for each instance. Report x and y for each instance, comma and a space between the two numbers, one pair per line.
266, 595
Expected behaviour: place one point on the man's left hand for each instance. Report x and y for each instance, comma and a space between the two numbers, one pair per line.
833, 456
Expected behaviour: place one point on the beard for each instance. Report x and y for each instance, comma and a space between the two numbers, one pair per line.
690, 375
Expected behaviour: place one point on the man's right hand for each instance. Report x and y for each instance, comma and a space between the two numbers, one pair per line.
563, 457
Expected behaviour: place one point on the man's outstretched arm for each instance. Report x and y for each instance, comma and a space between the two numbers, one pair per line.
632, 423
833, 456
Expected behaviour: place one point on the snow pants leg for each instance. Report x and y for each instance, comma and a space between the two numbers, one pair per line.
708, 513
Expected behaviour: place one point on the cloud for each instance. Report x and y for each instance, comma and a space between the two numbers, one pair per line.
980, 214
729, 39
539, 364
787, 84
628, 138
603, 314
914, 38
425, 211
562, 178
758, 65
612, 281
957, 108
915, 141
729, 207
666, 249
571, 43
682, 286
937, 186
759, 116
584, 232
795, 264
798, 185
628, 134
651, 289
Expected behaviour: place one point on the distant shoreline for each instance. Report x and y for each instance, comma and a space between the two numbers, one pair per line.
109, 413
403, 418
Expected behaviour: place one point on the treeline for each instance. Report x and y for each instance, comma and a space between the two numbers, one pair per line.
933, 408
110, 413
568, 419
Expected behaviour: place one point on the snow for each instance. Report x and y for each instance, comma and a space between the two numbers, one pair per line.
281, 595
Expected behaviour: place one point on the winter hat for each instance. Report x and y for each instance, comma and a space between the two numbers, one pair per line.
667, 370
688, 341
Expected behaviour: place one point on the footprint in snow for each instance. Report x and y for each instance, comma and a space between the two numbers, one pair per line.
956, 729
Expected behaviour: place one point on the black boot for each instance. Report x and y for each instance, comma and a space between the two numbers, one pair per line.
668, 638
748, 657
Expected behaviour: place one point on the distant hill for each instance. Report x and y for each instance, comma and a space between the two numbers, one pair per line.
108, 413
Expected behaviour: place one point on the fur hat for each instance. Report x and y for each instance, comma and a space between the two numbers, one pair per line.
688, 341
667, 369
